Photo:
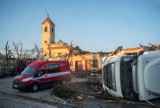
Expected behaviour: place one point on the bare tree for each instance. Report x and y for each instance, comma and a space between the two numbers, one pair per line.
26, 53
8, 53
68, 55
21, 49
32, 52
18, 48
37, 50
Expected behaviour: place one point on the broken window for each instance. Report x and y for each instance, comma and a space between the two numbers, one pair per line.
95, 63
59, 54
88, 65
78, 65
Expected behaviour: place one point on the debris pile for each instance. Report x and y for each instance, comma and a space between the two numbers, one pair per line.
151, 47
86, 74
137, 50
94, 83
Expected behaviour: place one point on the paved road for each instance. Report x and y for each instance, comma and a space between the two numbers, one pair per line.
9, 96
6, 86
41, 96
10, 101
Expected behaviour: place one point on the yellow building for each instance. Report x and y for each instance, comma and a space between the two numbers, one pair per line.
131, 51
79, 60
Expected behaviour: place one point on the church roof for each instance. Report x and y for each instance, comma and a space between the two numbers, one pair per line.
48, 20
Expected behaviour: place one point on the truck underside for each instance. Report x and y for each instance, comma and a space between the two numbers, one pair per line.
126, 77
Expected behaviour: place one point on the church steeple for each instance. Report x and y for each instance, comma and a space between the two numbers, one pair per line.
48, 20
48, 35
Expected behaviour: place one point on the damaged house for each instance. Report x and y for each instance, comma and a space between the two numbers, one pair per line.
79, 60
134, 51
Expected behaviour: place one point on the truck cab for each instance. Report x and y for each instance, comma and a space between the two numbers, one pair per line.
132, 76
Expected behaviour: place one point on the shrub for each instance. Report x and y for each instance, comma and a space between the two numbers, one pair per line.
62, 91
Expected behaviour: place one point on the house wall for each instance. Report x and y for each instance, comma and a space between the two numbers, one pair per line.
84, 59
81, 60
58, 53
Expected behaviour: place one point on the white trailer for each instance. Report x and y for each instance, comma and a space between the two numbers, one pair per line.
132, 76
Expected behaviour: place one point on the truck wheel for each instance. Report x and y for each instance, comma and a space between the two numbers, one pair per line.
35, 87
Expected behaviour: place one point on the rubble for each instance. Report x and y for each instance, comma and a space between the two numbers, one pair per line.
91, 97
92, 87
79, 97
137, 50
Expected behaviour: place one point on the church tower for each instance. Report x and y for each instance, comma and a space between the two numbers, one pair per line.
48, 36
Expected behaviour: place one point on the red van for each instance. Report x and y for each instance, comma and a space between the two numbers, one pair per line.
42, 74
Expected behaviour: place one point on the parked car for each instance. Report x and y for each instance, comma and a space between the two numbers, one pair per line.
42, 74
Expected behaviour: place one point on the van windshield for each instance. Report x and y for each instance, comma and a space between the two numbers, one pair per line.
29, 70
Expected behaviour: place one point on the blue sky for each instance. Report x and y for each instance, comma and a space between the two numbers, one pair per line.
94, 25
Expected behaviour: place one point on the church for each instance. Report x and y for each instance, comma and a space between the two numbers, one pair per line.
79, 60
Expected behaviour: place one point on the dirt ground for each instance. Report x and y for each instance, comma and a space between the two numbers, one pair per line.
88, 92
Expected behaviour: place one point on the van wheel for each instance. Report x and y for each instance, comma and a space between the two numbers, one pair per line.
35, 87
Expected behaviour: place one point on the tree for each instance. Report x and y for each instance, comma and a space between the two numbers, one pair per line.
8, 53
18, 48
37, 50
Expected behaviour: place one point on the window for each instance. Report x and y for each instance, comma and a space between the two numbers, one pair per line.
45, 41
29, 70
59, 54
45, 29
42, 71
52, 29
95, 63
109, 71
52, 68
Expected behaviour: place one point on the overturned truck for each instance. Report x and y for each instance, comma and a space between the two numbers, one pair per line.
132, 76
